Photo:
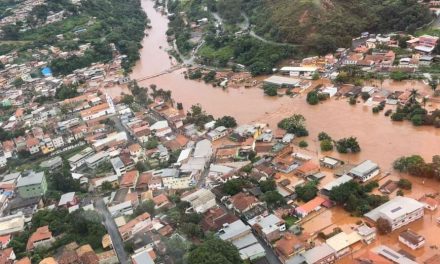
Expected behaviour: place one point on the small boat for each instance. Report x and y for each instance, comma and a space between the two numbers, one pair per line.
160, 47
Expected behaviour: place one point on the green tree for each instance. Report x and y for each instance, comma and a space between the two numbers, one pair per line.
303, 144
226, 121
323, 136
270, 90
294, 124
312, 98
383, 226
273, 199
233, 186
214, 251
268, 185
326, 145
307, 191
404, 184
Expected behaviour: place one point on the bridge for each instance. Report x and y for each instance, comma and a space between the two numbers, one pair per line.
167, 71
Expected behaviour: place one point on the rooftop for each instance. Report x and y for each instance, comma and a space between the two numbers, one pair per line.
31, 179
395, 208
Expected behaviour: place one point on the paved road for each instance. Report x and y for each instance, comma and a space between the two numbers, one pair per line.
112, 230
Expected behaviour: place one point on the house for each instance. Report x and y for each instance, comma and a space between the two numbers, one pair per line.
434, 259
399, 211
79, 159
394, 256
134, 226
365, 171
118, 166
329, 162
282, 82
335, 183
68, 200
306, 169
42, 237
269, 227
411, 239
291, 245
97, 111
368, 234
203, 149
94, 160
370, 257
142, 257
174, 179
217, 133
321, 254
52, 163
201, 200
242, 202
161, 128
33, 145
342, 242
429, 203
32, 185
240, 235
310, 206
4, 241
215, 218
136, 151
7, 256
129, 179
124, 208
305, 72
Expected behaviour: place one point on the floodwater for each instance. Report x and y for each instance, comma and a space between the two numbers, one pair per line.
381, 139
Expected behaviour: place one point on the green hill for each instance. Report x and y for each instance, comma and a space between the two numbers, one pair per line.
323, 25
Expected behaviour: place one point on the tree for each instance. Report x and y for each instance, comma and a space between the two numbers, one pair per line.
433, 83
273, 199
214, 251
307, 191
326, 145
383, 226
365, 96
303, 144
404, 184
66, 91
315, 76
107, 186
127, 99
233, 186
312, 98
145, 207
270, 90
294, 124
323, 136
268, 185
226, 121
346, 145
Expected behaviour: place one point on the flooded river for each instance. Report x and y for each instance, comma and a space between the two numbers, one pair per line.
381, 139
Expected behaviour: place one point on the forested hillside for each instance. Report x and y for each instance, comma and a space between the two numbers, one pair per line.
327, 24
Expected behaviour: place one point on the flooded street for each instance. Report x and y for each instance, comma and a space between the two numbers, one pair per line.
381, 139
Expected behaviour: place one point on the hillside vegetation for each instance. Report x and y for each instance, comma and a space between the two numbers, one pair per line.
324, 25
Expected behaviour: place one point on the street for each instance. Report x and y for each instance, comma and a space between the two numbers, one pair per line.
113, 231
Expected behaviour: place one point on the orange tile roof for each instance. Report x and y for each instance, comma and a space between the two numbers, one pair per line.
94, 109
429, 201
8, 145
311, 205
25, 260
128, 226
49, 260
84, 249
308, 167
5, 239
42, 233
133, 197
129, 179
5, 254
160, 199
241, 201
289, 244
30, 142
134, 147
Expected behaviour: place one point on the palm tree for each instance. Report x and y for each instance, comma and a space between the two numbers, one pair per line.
413, 95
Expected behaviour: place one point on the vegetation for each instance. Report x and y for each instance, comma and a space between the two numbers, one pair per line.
307, 191
270, 90
356, 198
303, 144
214, 251
346, 145
84, 227
323, 26
268, 185
404, 184
198, 116
312, 98
323, 136
226, 121
234, 186
383, 226
273, 199
326, 145
295, 125
415, 165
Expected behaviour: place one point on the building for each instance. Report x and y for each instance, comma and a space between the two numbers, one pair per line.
118, 166
291, 245
134, 226
335, 183
342, 242
368, 234
240, 235
52, 163
32, 145
174, 179
124, 208
329, 162
93, 161
129, 179
411, 239
112, 140
12, 224
282, 82
310, 206
42, 237
365, 171
68, 200
305, 72
399, 211
79, 159
201, 200
217, 133
430, 203
306, 169
142, 257
322, 254
243, 203
394, 256
268, 227
32, 185
203, 149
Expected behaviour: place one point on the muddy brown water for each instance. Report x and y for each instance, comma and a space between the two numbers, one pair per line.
381, 139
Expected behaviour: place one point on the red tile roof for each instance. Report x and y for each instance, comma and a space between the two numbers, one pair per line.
42, 233
129, 179
242, 201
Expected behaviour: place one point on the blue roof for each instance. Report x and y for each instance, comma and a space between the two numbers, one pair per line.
46, 71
